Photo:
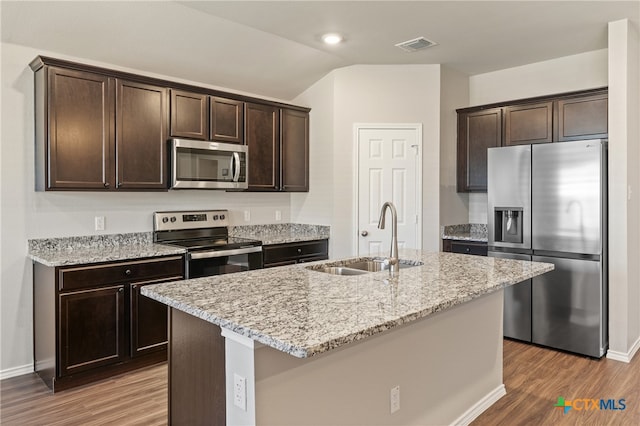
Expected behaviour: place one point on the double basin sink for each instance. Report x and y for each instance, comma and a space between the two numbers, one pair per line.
361, 266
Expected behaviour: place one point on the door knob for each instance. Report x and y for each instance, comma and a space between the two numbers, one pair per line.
364, 233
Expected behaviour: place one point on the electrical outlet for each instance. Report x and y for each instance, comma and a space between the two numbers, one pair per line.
99, 223
247, 215
278, 215
394, 399
240, 392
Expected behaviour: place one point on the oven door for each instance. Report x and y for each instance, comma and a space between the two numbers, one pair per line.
207, 263
208, 165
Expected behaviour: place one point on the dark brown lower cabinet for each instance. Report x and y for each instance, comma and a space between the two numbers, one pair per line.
91, 322
91, 328
196, 371
148, 325
465, 247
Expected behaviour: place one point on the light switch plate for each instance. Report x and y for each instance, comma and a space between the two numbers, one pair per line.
99, 223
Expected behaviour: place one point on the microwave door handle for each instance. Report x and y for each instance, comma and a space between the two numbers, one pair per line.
236, 169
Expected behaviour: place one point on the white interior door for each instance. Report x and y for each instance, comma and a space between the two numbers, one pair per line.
389, 169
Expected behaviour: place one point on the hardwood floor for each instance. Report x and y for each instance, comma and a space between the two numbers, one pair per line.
136, 398
534, 378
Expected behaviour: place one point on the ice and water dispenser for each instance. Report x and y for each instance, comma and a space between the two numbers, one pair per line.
508, 225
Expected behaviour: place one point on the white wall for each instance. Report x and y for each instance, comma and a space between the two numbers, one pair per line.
369, 94
454, 88
570, 73
28, 214
624, 189
316, 206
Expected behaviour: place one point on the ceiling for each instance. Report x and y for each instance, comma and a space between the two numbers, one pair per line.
273, 48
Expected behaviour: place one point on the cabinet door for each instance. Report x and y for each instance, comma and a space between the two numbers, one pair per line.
227, 120
583, 118
81, 130
148, 326
477, 131
294, 150
527, 124
141, 142
262, 136
189, 115
91, 329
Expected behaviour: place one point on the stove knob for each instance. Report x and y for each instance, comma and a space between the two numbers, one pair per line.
165, 219
221, 217
173, 219
215, 217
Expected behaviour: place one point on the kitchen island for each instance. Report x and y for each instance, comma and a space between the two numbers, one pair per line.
292, 345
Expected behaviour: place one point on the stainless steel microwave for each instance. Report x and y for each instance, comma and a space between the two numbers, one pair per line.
208, 165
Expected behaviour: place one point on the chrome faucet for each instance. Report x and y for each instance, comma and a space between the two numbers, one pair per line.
393, 256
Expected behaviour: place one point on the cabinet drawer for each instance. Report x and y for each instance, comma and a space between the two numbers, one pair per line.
479, 249
294, 251
109, 273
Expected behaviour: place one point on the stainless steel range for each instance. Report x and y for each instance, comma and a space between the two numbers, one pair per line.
205, 235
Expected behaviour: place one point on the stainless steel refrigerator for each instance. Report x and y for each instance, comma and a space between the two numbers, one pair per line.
548, 203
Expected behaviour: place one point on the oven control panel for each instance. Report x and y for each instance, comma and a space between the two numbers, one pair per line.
180, 220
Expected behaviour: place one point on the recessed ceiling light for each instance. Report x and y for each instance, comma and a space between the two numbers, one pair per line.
332, 38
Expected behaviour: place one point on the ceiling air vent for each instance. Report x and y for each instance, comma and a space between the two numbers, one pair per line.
416, 44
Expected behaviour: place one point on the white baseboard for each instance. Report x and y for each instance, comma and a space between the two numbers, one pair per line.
480, 407
16, 371
625, 356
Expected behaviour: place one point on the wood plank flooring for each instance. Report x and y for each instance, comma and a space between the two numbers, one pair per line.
534, 378
135, 398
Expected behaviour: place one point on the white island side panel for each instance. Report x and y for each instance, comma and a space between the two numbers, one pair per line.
445, 364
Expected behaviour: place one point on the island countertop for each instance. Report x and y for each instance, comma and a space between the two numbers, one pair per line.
304, 312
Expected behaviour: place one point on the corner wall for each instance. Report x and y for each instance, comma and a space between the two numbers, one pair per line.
454, 88
624, 190
369, 94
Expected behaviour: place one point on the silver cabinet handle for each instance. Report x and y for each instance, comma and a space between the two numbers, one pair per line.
364, 233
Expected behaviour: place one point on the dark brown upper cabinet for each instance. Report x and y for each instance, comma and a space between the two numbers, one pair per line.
227, 120
294, 149
95, 132
203, 117
584, 117
477, 131
75, 126
189, 115
527, 124
565, 117
262, 136
141, 138
278, 141
99, 129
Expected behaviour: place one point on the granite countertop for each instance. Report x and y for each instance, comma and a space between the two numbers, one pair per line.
304, 312
465, 232
281, 233
97, 248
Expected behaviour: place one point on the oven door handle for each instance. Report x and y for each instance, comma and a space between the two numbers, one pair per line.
222, 253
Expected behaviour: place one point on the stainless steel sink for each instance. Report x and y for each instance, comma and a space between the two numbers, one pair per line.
338, 270
368, 265
360, 266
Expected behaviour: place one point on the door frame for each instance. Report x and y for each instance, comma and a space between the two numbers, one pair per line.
417, 127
